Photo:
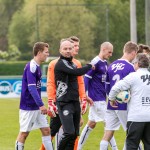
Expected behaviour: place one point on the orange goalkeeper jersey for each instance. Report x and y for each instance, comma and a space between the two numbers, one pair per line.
51, 87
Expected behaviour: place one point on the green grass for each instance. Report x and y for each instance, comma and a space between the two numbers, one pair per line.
9, 128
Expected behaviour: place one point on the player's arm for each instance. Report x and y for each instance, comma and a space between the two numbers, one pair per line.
88, 76
64, 67
33, 90
51, 89
121, 85
81, 90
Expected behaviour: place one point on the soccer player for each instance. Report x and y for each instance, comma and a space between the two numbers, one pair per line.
32, 113
95, 88
117, 71
67, 95
138, 125
55, 122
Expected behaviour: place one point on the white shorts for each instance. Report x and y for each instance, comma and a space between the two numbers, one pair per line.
115, 118
97, 111
31, 120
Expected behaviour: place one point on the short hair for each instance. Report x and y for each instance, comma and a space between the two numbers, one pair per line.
143, 47
74, 38
106, 44
39, 47
143, 60
130, 47
66, 39
140, 48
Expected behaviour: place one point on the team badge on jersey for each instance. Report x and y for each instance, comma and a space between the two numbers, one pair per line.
65, 112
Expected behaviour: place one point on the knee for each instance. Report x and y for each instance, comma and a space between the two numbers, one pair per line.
92, 124
45, 131
71, 136
81, 122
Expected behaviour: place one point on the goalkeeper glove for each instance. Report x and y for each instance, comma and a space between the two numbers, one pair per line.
52, 109
83, 106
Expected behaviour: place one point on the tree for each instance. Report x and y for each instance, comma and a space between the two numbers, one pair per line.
7, 10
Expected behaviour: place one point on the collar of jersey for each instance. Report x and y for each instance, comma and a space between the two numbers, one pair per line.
68, 59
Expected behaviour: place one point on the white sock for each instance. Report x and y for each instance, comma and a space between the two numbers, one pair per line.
83, 137
104, 145
46, 140
58, 137
19, 146
113, 144
140, 146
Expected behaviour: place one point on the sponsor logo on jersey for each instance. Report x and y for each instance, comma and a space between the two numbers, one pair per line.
146, 101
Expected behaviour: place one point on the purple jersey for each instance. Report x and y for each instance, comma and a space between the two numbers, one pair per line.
95, 80
31, 77
117, 71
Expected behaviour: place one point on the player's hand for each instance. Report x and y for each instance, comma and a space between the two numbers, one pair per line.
90, 101
52, 109
114, 103
43, 110
93, 66
83, 106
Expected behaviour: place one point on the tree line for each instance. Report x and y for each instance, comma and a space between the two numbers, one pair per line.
25, 22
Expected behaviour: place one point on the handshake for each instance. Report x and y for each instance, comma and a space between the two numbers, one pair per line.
52, 109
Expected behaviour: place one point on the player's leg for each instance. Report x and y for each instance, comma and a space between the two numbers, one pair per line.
55, 125
77, 139
134, 134
21, 140
66, 113
58, 137
113, 143
88, 127
146, 136
46, 138
42, 123
26, 120
85, 133
112, 123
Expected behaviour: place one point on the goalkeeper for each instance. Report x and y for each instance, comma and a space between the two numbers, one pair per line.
55, 122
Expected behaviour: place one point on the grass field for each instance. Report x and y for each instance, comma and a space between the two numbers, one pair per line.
9, 128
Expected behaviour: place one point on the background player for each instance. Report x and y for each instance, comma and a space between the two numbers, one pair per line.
95, 87
138, 83
32, 113
117, 71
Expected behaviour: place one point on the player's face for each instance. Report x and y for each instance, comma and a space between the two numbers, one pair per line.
44, 54
108, 53
66, 49
76, 49
133, 54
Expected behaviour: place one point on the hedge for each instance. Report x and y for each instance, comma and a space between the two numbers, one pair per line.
12, 68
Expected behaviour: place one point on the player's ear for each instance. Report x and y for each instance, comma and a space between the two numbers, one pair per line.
60, 51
